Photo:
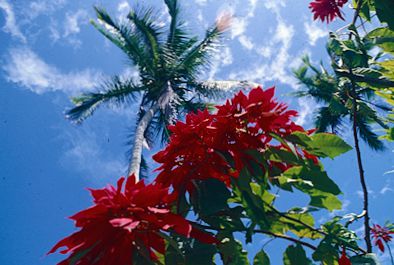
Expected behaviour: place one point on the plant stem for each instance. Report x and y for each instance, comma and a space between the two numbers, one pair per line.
367, 228
391, 254
260, 231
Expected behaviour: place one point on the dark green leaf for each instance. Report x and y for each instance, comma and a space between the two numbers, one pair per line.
385, 12
212, 196
295, 255
368, 259
231, 251
261, 258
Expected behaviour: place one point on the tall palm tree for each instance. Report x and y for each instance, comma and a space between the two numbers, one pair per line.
169, 66
343, 98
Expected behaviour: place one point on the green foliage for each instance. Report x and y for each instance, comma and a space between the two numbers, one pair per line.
295, 255
231, 251
385, 12
369, 259
211, 197
261, 258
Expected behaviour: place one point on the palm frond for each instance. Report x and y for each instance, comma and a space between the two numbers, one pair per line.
144, 169
145, 26
198, 56
115, 91
123, 37
219, 90
328, 120
368, 136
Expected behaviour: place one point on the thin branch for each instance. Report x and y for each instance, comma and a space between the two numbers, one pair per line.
261, 231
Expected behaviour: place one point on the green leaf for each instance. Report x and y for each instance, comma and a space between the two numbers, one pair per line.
385, 12
295, 255
261, 258
368, 259
313, 176
326, 253
200, 254
324, 200
253, 204
212, 196
231, 250
326, 144
382, 37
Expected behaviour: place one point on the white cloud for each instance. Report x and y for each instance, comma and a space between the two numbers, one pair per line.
27, 69
84, 152
201, 2
37, 8
10, 21
274, 5
222, 58
238, 26
307, 107
123, 9
278, 68
386, 188
73, 22
246, 42
314, 32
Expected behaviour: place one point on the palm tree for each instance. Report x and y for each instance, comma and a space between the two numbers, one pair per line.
169, 66
345, 99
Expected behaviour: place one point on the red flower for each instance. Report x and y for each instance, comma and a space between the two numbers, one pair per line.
121, 224
200, 146
327, 9
344, 260
381, 234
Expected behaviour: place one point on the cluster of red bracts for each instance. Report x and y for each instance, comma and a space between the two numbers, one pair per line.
196, 147
381, 235
327, 9
124, 222
133, 220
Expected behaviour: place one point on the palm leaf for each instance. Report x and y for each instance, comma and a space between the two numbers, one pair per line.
145, 26
368, 136
219, 90
115, 91
328, 120
123, 37
198, 56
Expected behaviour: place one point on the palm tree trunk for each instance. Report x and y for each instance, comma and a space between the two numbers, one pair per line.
136, 153
367, 229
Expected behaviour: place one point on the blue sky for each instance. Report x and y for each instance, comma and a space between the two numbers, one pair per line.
49, 52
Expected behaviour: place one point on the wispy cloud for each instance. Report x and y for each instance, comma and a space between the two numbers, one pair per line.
73, 21
11, 25
43, 7
314, 32
84, 152
278, 64
24, 67
307, 108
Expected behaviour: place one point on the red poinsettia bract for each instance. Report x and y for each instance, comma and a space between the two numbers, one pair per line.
327, 9
344, 260
198, 147
381, 234
122, 223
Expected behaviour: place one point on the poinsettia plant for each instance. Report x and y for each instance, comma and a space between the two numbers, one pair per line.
219, 175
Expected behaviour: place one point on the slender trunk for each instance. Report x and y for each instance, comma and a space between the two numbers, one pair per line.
136, 153
367, 229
